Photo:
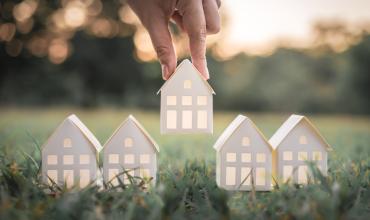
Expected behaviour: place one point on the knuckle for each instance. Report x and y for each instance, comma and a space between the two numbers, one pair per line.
163, 52
213, 28
199, 34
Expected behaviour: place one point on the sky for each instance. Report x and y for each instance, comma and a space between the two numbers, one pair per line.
255, 26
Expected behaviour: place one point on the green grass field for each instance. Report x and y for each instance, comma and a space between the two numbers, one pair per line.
186, 187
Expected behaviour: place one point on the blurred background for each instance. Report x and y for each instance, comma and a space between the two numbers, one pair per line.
296, 56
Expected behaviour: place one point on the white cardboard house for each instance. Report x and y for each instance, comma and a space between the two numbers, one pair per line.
244, 157
295, 143
186, 102
129, 149
70, 155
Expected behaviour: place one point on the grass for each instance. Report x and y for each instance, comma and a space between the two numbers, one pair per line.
186, 187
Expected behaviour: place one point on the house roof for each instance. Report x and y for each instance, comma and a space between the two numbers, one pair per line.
186, 63
233, 126
84, 130
288, 126
140, 127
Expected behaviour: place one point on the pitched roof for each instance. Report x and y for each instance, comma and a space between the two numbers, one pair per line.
288, 126
84, 130
233, 126
186, 63
140, 127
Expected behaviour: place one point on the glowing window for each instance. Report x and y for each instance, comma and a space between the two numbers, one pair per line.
303, 139
288, 155
144, 158
171, 119
128, 174
68, 177
231, 157
187, 119
202, 100
302, 174
187, 84
144, 173
245, 175
260, 158
302, 156
230, 176
52, 159
246, 157
84, 159
202, 119
53, 175
113, 158
260, 176
246, 141
186, 100
68, 159
317, 155
129, 159
112, 176
84, 177
67, 143
171, 100
287, 172
128, 142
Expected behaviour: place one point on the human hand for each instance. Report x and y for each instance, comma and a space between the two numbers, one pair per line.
196, 17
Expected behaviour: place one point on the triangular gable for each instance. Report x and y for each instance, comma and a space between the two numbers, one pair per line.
140, 127
233, 126
84, 130
288, 126
183, 64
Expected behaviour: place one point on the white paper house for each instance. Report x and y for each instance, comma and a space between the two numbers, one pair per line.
186, 102
70, 155
130, 149
244, 157
296, 142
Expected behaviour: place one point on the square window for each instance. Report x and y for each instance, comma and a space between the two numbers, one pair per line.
187, 119
230, 176
302, 174
187, 84
126, 179
287, 155
287, 172
202, 119
112, 176
231, 157
53, 175
246, 157
52, 159
84, 177
68, 159
303, 139
261, 158
187, 100
201, 100
68, 177
128, 142
246, 141
144, 173
302, 156
67, 143
260, 176
113, 158
317, 155
129, 159
245, 176
171, 119
144, 158
171, 100
84, 159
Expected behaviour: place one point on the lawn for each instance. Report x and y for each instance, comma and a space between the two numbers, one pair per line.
186, 187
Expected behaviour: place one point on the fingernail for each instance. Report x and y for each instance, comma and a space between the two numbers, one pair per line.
164, 72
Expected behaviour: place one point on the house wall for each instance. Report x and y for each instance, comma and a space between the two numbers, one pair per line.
175, 88
292, 144
234, 145
79, 146
140, 146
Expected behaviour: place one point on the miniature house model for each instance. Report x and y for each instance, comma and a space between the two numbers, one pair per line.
70, 155
244, 157
129, 149
296, 142
186, 102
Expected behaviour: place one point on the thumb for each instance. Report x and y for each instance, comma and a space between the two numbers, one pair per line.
162, 43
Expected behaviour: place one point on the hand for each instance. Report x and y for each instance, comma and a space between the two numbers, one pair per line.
196, 17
